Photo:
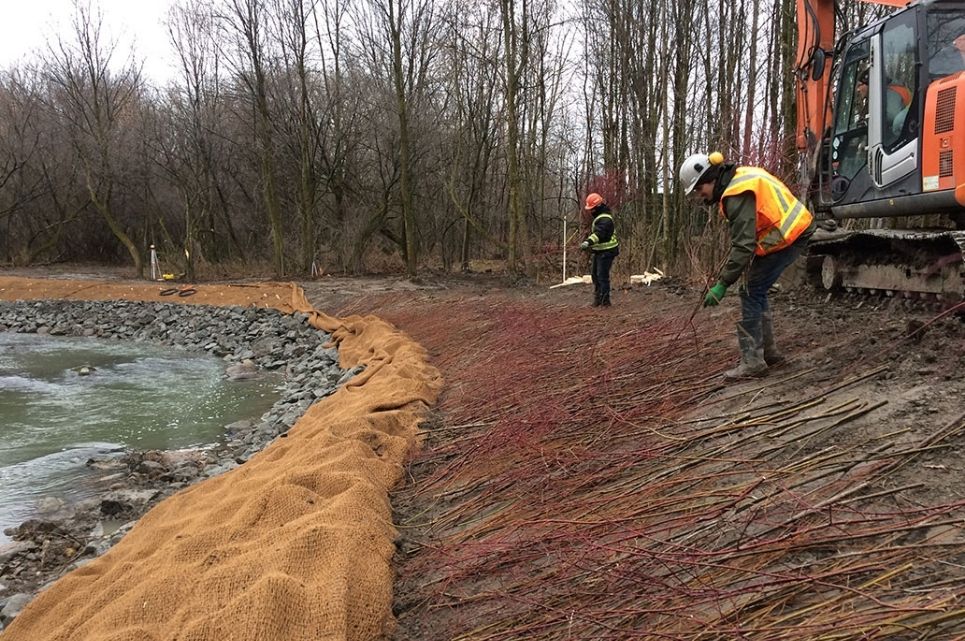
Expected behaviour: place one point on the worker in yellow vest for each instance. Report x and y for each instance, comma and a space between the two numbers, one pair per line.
603, 245
769, 228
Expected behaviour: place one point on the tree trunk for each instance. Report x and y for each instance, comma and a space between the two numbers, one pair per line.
517, 240
405, 162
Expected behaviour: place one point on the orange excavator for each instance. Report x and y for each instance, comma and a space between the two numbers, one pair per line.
881, 135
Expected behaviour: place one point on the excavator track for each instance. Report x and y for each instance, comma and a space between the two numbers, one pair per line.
922, 264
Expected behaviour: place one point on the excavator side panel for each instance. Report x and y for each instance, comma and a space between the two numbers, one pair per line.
943, 134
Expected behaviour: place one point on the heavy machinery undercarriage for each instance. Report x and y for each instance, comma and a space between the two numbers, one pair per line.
895, 262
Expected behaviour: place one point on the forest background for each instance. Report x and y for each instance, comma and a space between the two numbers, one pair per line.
392, 135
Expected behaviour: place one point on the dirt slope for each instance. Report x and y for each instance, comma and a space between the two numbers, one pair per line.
591, 477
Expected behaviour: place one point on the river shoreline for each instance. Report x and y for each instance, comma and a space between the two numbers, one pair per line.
129, 482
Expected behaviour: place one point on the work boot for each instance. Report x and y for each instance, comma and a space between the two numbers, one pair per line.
771, 354
605, 300
752, 362
596, 299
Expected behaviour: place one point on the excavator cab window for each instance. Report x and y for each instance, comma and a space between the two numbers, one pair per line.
899, 82
946, 43
849, 138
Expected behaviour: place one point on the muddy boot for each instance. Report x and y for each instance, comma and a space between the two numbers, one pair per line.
605, 300
752, 362
771, 354
596, 299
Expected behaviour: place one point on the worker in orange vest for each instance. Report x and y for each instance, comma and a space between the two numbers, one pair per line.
769, 228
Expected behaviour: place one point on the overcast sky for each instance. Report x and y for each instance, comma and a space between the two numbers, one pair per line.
27, 25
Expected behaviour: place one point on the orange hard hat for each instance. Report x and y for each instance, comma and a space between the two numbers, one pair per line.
593, 201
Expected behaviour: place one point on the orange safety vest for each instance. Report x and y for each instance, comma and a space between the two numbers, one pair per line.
781, 217
903, 92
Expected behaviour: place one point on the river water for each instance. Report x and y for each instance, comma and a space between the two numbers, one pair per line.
54, 416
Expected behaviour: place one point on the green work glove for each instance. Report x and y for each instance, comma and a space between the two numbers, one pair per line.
585, 245
715, 295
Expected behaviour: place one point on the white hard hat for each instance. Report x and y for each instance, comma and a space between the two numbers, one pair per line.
692, 169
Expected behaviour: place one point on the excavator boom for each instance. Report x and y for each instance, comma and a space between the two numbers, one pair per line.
815, 44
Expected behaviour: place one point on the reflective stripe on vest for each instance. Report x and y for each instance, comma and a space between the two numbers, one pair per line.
596, 245
781, 217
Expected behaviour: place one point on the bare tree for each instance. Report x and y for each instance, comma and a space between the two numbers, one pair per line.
515, 58
752, 71
394, 15
407, 28
245, 24
339, 116
194, 106
21, 143
349, 130
300, 117
471, 55
92, 101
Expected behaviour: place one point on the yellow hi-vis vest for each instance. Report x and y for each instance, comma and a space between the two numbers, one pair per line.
781, 217
596, 245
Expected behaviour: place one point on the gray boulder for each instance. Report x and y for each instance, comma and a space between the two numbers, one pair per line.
241, 371
13, 607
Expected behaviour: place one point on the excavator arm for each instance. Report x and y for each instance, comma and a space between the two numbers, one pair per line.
815, 44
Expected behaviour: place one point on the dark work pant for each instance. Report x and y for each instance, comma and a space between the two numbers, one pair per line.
600, 272
764, 272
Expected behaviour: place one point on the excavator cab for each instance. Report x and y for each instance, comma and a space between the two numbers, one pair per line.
896, 128
892, 150
845, 162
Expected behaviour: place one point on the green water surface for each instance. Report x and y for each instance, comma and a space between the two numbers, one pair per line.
53, 418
